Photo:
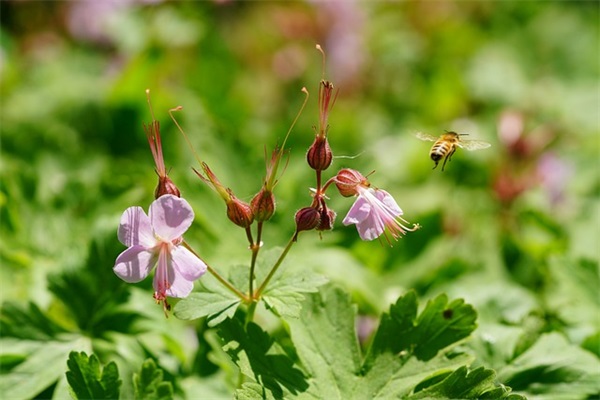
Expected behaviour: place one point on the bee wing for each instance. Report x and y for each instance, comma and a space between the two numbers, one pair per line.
426, 137
473, 144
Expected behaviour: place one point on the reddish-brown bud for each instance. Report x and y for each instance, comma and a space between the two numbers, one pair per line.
348, 179
327, 219
319, 154
165, 186
307, 218
263, 205
239, 212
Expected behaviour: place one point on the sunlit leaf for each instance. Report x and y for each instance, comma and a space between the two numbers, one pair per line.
284, 293
328, 351
88, 381
212, 300
261, 359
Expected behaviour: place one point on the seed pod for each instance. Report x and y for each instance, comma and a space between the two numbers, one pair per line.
239, 212
319, 154
263, 205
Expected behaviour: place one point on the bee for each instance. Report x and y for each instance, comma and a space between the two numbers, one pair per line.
445, 145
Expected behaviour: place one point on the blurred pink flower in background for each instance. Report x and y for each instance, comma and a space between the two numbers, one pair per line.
554, 174
343, 22
527, 161
87, 19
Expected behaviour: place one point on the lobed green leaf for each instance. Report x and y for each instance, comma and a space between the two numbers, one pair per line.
87, 381
212, 301
149, 383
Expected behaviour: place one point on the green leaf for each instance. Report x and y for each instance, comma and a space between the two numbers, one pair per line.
261, 359
592, 343
439, 325
27, 323
327, 345
283, 294
88, 382
100, 295
149, 384
572, 291
393, 375
43, 363
212, 300
552, 368
462, 384
410, 352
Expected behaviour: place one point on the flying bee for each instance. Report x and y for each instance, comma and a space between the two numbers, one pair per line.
445, 145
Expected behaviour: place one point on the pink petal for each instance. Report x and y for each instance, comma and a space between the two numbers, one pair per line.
371, 227
358, 212
135, 228
171, 216
180, 287
389, 201
134, 264
187, 264
167, 279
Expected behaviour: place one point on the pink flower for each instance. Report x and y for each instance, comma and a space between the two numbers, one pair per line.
156, 238
375, 210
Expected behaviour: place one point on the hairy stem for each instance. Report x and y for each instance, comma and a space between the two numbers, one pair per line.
262, 287
255, 247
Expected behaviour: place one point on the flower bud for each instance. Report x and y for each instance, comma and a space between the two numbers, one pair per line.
307, 218
348, 179
263, 205
319, 154
239, 212
165, 186
327, 219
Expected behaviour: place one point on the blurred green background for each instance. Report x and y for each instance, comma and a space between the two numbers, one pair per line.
514, 229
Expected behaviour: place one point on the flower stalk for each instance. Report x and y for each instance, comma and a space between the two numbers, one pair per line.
282, 256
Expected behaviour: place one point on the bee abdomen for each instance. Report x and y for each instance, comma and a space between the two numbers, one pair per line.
438, 151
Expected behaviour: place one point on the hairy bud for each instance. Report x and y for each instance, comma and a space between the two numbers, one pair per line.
239, 212
327, 218
319, 154
166, 186
307, 218
348, 179
263, 205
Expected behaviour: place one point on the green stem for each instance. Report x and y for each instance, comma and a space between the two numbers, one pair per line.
262, 287
255, 247
251, 310
216, 275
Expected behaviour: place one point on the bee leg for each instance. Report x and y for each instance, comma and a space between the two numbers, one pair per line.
448, 157
435, 166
